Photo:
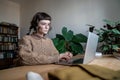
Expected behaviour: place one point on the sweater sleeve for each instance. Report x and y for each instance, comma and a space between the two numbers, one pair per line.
28, 57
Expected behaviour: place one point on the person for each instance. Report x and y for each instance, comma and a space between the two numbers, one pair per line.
36, 48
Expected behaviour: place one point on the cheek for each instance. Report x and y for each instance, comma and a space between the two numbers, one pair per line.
39, 29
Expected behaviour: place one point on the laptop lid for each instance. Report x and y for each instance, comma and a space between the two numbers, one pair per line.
91, 47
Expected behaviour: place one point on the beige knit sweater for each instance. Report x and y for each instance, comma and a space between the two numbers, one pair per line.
35, 50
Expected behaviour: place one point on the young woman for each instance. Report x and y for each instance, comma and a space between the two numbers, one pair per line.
36, 48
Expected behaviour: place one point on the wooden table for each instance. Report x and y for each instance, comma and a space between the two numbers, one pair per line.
18, 73
107, 61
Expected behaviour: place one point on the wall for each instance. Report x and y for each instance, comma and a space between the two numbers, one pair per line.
74, 14
9, 12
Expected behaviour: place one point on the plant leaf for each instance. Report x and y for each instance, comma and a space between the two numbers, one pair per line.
60, 36
69, 35
60, 45
112, 23
76, 48
105, 48
55, 41
115, 31
80, 38
64, 30
115, 47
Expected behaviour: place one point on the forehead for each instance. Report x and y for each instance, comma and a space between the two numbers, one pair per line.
45, 21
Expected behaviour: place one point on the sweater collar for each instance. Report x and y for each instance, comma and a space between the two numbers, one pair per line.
38, 37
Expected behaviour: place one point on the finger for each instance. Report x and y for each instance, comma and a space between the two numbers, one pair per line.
66, 57
70, 55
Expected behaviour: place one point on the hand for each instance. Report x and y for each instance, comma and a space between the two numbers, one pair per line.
65, 56
69, 54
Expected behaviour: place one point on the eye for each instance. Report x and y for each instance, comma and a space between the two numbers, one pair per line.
43, 23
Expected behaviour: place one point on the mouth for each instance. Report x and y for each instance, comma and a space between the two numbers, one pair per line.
45, 30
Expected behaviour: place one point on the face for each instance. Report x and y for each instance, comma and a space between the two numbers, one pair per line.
43, 27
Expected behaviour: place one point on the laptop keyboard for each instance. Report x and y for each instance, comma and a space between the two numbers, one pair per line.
78, 61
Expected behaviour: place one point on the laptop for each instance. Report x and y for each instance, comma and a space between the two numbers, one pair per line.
90, 51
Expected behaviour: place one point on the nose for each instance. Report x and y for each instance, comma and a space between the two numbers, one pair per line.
47, 26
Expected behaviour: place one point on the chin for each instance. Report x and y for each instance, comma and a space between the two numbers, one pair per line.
45, 33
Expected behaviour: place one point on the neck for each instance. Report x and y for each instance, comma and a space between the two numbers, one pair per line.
39, 35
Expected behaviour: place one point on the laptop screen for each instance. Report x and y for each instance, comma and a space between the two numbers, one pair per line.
90, 47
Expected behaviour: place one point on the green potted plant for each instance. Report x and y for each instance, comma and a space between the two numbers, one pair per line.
109, 36
68, 41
